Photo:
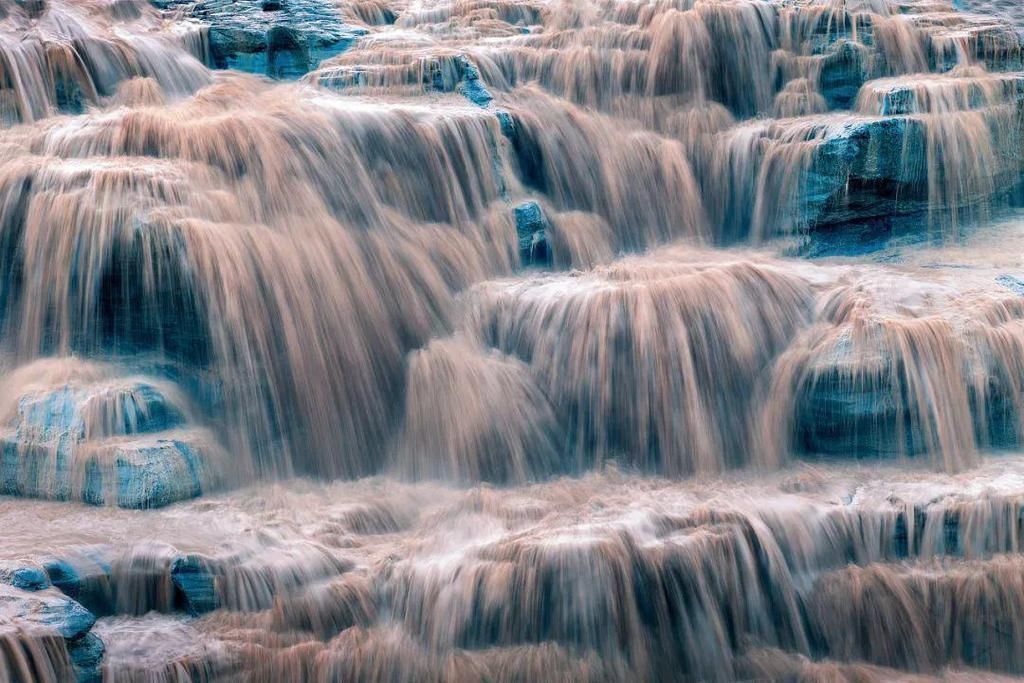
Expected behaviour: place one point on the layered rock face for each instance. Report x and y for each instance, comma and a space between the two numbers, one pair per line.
510, 340
77, 433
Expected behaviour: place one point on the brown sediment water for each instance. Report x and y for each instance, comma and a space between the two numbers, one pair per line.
511, 340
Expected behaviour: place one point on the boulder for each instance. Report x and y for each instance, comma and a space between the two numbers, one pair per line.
47, 609
278, 39
146, 473
194, 577
868, 168
843, 414
112, 442
844, 70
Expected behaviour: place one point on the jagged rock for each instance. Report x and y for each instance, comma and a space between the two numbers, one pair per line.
476, 92
279, 39
531, 228
471, 86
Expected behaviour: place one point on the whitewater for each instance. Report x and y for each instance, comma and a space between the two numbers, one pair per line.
511, 340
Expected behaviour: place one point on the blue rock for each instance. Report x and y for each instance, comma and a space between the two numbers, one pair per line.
193, 576
30, 579
1012, 283
281, 40
24, 574
63, 447
48, 609
51, 415
149, 474
475, 92
197, 577
843, 72
531, 229
86, 656
85, 576
471, 86
63, 576
507, 123
61, 414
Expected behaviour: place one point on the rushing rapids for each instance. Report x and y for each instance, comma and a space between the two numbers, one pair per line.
511, 340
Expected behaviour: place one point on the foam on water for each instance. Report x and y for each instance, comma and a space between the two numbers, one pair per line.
482, 349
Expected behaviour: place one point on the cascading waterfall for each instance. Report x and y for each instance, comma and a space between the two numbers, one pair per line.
511, 340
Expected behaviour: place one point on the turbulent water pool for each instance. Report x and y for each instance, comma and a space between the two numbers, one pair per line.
511, 340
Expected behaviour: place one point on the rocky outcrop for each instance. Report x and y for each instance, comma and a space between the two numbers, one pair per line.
50, 612
112, 442
281, 39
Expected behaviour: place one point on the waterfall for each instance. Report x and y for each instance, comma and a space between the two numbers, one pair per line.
511, 340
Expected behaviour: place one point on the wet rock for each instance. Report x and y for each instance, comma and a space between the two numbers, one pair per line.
46, 612
86, 656
871, 168
843, 72
843, 416
861, 394
193, 576
507, 123
532, 229
250, 582
471, 86
85, 576
148, 473
115, 409
27, 577
110, 442
48, 609
108, 582
443, 72
279, 39
476, 92
1012, 283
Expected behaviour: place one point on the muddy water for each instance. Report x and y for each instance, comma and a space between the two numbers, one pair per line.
516, 340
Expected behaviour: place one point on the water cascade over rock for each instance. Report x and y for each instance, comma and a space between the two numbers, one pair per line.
511, 340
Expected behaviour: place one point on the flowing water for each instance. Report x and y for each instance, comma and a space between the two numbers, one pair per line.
511, 340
